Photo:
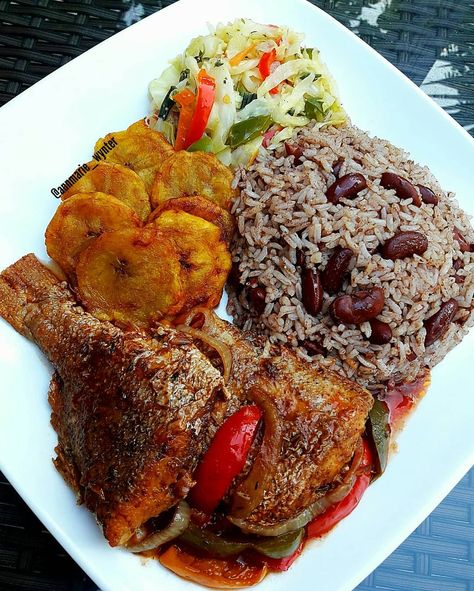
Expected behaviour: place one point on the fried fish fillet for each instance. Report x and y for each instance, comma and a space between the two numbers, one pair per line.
322, 416
132, 412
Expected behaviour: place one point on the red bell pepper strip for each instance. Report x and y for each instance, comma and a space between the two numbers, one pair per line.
282, 564
265, 62
225, 458
366, 461
324, 522
185, 99
327, 520
398, 407
265, 65
334, 514
206, 95
403, 397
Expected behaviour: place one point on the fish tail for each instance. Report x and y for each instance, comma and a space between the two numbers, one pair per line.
24, 283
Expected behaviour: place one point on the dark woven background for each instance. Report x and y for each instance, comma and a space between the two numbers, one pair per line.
36, 37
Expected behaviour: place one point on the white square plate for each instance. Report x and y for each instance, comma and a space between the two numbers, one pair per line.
51, 128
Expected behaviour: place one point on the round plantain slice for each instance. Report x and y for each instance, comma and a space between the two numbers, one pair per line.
140, 126
116, 180
203, 256
193, 173
201, 208
131, 276
80, 219
139, 148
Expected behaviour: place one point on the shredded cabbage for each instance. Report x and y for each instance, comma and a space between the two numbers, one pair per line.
224, 110
288, 76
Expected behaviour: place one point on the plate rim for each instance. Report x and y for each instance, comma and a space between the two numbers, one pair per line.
441, 491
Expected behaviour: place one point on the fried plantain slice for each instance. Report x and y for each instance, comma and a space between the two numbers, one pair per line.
193, 173
201, 208
139, 148
203, 255
80, 219
140, 126
116, 180
131, 276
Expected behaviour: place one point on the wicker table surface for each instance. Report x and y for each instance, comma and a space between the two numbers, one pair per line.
432, 41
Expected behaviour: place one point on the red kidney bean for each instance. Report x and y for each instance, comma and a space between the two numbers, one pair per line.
404, 244
428, 195
234, 277
438, 324
381, 332
411, 356
312, 291
458, 264
294, 150
359, 306
333, 275
464, 245
403, 188
251, 282
300, 258
346, 186
337, 165
257, 297
313, 347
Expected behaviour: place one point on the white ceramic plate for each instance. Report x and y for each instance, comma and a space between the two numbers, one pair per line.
51, 128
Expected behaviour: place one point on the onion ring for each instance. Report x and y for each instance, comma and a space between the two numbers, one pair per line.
250, 492
222, 349
303, 518
176, 527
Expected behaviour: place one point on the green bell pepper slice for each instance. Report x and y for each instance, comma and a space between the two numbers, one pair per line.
204, 144
379, 429
244, 131
221, 546
313, 109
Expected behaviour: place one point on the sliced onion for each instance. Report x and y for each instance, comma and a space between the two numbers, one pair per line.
208, 325
188, 319
175, 528
318, 507
222, 349
250, 492
302, 518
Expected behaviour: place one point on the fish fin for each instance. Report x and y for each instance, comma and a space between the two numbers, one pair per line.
63, 461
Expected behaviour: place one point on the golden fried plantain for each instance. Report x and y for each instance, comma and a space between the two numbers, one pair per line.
193, 173
203, 255
131, 276
140, 126
116, 180
139, 148
201, 208
80, 219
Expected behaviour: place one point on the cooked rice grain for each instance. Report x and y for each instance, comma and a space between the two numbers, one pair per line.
282, 208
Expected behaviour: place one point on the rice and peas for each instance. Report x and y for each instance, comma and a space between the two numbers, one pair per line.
282, 212
275, 98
